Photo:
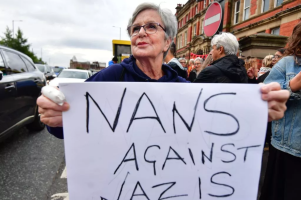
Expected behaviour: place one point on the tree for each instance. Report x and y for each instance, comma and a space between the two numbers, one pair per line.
19, 43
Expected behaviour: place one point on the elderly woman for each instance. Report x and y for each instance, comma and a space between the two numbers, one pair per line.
151, 30
198, 68
283, 174
183, 62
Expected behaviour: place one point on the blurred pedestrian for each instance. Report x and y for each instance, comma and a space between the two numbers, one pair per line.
267, 64
174, 63
197, 69
283, 174
278, 55
226, 67
183, 62
113, 61
190, 66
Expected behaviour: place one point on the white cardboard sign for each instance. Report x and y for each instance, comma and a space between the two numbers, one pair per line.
139, 141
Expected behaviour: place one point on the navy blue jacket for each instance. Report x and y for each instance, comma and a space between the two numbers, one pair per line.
126, 71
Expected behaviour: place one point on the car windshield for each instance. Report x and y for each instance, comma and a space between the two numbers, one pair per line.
57, 69
41, 68
49, 69
73, 74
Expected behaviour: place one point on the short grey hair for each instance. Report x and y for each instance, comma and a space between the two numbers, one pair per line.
169, 20
199, 59
191, 61
182, 59
228, 41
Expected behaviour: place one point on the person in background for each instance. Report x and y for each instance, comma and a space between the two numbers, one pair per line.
113, 61
283, 174
197, 69
267, 64
278, 55
183, 62
174, 63
226, 67
190, 66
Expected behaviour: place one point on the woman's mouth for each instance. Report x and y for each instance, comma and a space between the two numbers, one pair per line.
141, 43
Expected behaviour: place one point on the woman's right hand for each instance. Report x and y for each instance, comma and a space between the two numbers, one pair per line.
51, 113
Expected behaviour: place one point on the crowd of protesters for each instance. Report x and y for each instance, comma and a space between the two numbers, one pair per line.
283, 174
150, 26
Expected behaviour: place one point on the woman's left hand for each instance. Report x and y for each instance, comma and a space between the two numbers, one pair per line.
276, 99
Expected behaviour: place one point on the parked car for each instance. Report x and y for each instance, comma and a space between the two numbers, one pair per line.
57, 70
20, 86
47, 70
71, 75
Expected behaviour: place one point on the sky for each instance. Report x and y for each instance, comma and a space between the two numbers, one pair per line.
57, 30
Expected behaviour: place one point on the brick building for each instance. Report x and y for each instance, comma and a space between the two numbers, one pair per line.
94, 66
261, 26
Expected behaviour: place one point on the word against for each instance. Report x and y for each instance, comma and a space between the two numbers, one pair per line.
134, 141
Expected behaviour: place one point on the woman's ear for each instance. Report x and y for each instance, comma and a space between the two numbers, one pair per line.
167, 44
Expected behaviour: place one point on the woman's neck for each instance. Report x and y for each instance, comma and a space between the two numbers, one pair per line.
152, 68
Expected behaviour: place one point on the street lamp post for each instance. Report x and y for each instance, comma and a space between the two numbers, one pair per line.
119, 31
13, 26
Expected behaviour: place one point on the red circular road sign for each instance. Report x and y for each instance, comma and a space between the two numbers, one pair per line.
213, 19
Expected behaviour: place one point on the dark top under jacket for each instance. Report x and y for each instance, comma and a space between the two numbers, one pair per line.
181, 72
228, 69
126, 71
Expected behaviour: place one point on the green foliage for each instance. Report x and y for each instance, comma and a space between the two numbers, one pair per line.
19, 43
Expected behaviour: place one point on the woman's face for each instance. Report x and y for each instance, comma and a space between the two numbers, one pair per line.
197, 65
149, 45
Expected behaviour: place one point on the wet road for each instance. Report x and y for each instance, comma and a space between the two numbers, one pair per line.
29, 165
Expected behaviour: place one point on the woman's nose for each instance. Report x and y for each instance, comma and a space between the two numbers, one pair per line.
142, 31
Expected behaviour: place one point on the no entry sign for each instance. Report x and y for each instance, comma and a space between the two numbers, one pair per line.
213, 19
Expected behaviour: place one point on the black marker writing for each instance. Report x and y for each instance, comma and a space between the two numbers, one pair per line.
177, 158
175, 110
246, 152
101, 198
224, 195
133, 194
191, 155
116, 116
220, 112
147, 117
222, 149
151, 161
122, 185
171, 185
129, 159
200, 190
211, 154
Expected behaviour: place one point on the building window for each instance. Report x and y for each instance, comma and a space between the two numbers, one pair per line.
181, 39
265, 6
179, 25
202, 27
275, 31
185, 39
196, 10
278, 3
194, 30
181, 22
186, 18
236, 11
205, 3
246, 9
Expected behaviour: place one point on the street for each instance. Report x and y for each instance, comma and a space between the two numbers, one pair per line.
31, 164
